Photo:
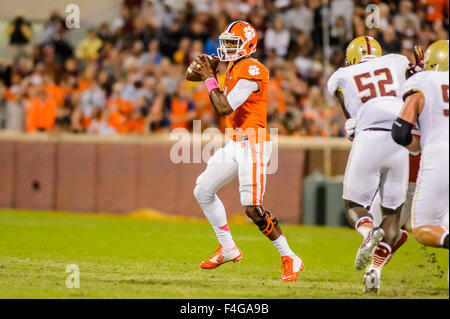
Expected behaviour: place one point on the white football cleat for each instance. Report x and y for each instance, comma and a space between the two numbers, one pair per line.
365, 252
372, 282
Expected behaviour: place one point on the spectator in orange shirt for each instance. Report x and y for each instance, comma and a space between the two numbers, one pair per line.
436, 9
117, 120
53, 90
290, 121
182, 109
276, 94
123, 106
40, 112
205, 111
87, 77
135, 122
118, 109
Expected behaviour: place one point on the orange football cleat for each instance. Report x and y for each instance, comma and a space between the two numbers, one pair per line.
222, 256
291, 267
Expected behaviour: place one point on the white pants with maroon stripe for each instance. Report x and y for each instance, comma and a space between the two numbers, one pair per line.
405, 215
431, 200
376, 164
246, 160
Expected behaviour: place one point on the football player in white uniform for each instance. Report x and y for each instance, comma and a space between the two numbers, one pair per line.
369, 89
414, 160
426, 97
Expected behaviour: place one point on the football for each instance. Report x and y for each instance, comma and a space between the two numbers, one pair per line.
191, 75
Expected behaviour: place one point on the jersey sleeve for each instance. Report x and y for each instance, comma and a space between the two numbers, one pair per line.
401, 62
412, 85
252, 70
333, 82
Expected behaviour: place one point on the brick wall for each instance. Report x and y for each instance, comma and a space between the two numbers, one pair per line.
116, 178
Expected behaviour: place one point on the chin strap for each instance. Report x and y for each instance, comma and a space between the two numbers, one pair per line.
367, 57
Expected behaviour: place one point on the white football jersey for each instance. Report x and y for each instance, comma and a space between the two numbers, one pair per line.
433, 120
372, 90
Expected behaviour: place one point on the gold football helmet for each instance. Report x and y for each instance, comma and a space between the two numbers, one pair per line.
436, 56
362, 48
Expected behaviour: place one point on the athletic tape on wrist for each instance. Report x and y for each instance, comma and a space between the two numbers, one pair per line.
211, 84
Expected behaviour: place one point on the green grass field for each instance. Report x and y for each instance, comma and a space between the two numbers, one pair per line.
121, 257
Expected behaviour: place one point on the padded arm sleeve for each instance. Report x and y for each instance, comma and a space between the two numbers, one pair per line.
401, 132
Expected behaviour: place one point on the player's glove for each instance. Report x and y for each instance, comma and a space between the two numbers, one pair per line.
419, 64
350, 126
418, 56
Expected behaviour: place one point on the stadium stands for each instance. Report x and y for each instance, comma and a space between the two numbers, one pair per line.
127, 74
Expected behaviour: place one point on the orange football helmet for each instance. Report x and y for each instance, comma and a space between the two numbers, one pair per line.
237, 41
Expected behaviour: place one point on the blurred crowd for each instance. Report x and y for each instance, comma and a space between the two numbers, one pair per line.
127, 75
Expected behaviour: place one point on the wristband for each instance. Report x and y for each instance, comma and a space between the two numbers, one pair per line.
211, 84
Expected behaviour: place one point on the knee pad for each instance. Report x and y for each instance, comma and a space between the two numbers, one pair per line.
264, 220
203, 195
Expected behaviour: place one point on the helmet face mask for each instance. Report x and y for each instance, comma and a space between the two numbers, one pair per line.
232, 45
